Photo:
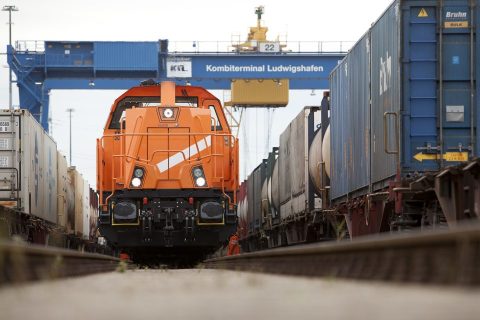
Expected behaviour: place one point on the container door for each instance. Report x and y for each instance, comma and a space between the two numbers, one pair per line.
456, 83
438, 82
419, 84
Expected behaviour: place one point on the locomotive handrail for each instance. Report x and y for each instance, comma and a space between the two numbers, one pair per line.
165, 134
170, 150
231, 145
147, 161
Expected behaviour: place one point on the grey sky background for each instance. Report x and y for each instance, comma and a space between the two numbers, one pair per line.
181, 20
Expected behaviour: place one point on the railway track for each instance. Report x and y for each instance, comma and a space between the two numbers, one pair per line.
25, 262
448, 257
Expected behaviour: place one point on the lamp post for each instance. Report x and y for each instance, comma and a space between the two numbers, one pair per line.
10, 9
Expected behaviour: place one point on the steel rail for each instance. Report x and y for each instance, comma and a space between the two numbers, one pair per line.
447, 257
25, 262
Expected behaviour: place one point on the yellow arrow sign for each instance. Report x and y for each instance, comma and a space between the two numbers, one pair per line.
448, 156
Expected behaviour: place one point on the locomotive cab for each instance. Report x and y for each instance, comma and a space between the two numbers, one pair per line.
167, 169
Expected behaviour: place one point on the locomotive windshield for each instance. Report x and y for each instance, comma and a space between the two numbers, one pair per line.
140, 102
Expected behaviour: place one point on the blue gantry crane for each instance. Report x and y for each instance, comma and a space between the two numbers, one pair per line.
120, 65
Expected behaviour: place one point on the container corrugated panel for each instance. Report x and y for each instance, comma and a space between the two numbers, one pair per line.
359, 144
340, 130
28, 179
293, 159
49, 172
79, 199
65, 195
298, 145
62, 201
128, 56
93, 213
385, 92
284, 169
275, 187
350, 121
259, 176
86, 210
250, 203
70, 193
254, 197
297, 153
366, 74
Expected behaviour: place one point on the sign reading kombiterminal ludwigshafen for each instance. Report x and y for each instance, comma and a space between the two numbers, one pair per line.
264, 68
183, 67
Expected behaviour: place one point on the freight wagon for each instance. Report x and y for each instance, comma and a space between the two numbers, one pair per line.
280, 202
404, 108
36, 182
400, 147
28, 166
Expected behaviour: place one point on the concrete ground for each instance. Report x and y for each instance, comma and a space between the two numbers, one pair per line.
227, 295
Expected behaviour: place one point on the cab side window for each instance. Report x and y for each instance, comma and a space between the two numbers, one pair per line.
215, 123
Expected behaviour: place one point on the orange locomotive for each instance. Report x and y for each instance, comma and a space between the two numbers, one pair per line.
167, 171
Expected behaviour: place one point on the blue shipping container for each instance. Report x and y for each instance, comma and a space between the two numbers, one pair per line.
350, 166
404, 99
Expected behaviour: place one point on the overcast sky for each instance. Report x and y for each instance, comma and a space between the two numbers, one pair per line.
146, 20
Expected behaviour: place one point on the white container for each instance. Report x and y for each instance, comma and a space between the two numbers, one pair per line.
62, 174
86, 210
78, 182
93, 213
28, 165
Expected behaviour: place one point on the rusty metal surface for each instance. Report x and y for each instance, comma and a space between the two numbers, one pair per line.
350, 121
21, 262
448, 257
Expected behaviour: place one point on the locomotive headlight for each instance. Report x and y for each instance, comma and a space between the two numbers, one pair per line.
197, 172
199, 177
138, 173
167, 113
200, 182
136, 182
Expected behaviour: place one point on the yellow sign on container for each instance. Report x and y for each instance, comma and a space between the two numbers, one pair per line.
268, 93
448, 156
456, 24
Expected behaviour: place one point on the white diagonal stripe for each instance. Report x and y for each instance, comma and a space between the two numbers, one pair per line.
187, 153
